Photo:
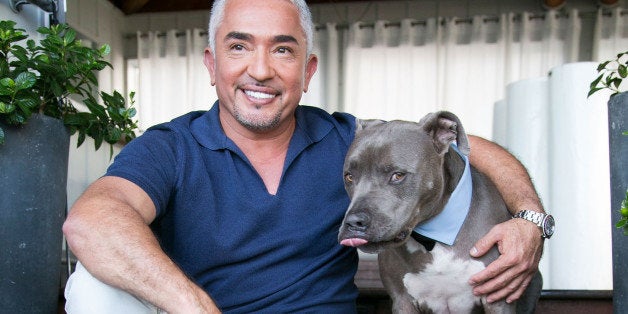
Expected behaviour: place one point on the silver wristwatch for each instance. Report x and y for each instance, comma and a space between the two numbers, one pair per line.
544, 221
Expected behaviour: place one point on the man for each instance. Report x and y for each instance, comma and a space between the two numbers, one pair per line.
238, 209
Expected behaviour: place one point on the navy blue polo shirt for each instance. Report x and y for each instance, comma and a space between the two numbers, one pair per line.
251, 251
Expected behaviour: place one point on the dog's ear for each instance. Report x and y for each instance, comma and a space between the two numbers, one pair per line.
445, 128
361, 124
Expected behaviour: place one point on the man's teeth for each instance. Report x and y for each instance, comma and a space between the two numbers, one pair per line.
259, 95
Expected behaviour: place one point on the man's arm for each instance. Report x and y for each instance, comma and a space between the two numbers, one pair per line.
108, 231
519, 242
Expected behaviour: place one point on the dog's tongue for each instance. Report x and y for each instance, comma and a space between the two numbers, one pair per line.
355, 242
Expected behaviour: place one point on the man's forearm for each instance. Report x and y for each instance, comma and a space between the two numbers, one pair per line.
508, 174
115, 244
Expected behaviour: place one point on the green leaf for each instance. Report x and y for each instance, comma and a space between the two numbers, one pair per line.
95, 108
616, 82
7, 82
105, 50
6, 108
25, 80
594, 90
596, 81
44, 30
20, 53
3, 107
79, 119
621, 223
602, 66
28, 103
623, 72
81, 139
31, 44
113, 135
131, 112
69, 37
43, 58
7, 86
97, 141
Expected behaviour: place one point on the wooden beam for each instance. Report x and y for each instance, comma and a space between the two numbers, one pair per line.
133, 6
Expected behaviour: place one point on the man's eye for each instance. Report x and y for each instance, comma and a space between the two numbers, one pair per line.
397, 177
237, 47
284, 50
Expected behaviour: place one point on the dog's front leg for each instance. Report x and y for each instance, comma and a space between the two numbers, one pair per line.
404, 304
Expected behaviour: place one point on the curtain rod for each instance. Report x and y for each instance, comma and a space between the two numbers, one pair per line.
468, 20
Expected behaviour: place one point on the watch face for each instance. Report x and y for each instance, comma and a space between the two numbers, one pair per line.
548, 226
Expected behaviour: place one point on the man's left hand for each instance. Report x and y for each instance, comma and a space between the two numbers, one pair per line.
520, 246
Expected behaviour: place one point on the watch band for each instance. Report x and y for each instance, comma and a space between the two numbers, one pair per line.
543, 221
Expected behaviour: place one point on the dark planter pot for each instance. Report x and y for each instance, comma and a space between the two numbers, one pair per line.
618, 147
33, 192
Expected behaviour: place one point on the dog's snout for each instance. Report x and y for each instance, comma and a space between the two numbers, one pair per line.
358, 221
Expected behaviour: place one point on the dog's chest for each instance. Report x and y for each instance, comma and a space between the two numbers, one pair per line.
443, 284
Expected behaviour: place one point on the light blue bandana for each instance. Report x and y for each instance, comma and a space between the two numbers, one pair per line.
445, 226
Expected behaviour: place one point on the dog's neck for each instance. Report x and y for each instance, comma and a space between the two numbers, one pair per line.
445, 224
454, 168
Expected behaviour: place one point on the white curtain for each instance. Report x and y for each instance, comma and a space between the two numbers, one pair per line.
323, 91
403, 71
171, 78
611, 36
387, 75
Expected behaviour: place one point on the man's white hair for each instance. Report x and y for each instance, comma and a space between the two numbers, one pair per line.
305, 18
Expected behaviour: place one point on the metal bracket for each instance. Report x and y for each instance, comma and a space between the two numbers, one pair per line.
16, 5
49, 6
46, 5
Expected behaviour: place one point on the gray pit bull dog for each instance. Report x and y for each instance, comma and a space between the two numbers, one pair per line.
400, 177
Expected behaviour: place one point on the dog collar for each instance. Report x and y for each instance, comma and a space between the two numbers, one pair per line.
445, 226
425, 241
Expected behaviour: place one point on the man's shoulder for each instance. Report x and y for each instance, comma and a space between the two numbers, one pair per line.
180, 122
318, 118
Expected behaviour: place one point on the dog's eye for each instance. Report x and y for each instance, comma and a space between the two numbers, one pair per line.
397, 177
348, 178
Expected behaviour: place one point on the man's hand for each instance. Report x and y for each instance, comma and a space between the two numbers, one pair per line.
520, 246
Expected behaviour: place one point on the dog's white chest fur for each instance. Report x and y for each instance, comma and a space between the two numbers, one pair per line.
443, 284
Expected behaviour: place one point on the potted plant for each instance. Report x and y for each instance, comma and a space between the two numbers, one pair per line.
41, 85
612, 74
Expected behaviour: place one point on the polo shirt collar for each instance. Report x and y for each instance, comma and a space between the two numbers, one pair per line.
445, 226
208, 131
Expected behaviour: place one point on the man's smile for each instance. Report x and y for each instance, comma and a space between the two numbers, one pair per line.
259, 95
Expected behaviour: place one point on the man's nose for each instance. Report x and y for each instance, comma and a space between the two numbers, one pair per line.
261, 67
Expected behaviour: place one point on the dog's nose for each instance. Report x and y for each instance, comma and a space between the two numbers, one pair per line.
358, 221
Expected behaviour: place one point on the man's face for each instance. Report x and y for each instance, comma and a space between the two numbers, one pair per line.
260, 65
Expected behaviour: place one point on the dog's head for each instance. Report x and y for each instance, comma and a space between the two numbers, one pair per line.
394, 174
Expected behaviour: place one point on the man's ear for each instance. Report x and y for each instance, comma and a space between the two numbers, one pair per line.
310, 69
210, 64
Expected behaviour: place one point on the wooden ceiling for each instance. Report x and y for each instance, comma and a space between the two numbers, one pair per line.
146, 6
